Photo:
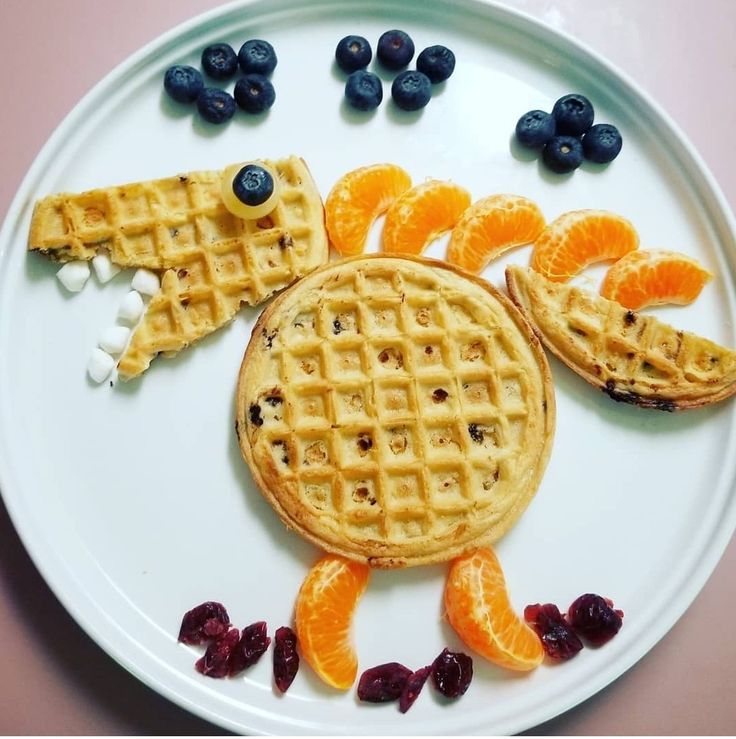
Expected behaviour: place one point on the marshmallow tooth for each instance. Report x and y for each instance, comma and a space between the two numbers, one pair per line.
146, 282
100, 365
114, 339
131, 307
74, 275
104, 267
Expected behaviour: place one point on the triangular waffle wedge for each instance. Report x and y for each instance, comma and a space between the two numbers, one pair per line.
396, 411
212, 261
632, 357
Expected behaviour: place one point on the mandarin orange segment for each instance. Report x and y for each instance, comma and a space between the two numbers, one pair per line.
479, 609
421, 214
579, 238
644, 278
357, 199
324, 612
490, 227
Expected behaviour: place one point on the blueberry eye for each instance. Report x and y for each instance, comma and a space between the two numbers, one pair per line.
250, 190
253, 185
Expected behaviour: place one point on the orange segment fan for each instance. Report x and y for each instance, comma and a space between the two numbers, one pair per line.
479, 610
579, 238
421, 214
324, 612
644, 278
357, 199
490, 227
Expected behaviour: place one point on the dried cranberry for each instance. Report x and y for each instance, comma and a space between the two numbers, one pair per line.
215, 660
285, 658
558, 639
383, 683
207, 621
412, 688
594, 618
452, 673
253, 643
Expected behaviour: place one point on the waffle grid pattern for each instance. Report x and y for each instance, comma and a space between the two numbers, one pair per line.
620, 350
398, 410
153, 224
631, 343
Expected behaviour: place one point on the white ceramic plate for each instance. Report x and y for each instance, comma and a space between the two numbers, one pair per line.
134, 501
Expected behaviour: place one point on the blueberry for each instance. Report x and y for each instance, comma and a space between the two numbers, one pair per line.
395, 49
257, 56
253, 185
535, 129
353, 52
602, 143
573, 114
183, 83
219, 61
437, 62
363, 90
411, 90
563, 154
215, 105
254, 93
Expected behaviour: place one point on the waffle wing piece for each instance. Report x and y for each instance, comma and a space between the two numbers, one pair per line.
632, 357
395, 411
212, 262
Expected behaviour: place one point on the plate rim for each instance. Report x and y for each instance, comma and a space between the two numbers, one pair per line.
701, 566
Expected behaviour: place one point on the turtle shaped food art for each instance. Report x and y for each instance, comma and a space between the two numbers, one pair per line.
395, 412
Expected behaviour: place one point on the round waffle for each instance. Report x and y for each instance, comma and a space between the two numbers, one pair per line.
395, 411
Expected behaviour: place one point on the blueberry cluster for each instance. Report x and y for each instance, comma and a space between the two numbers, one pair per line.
253, 93
410, 89
567, 135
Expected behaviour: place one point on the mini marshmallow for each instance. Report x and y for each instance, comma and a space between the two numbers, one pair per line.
115, 339
146, 282
131, 307
100, 365
74, 275
104, 268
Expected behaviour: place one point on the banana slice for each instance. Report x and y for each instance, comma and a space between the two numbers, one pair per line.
632, 357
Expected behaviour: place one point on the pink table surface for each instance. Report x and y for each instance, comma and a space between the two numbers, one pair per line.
55, 680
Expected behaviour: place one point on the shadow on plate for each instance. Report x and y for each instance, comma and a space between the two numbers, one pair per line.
119, 702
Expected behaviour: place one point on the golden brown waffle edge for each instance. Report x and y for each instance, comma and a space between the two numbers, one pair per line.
633, 357
411, 422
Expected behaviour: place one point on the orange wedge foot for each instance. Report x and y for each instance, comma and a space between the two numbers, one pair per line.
324, 612
644, 278
357, 199
579, 238
421, 214
490, 227
479, 609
